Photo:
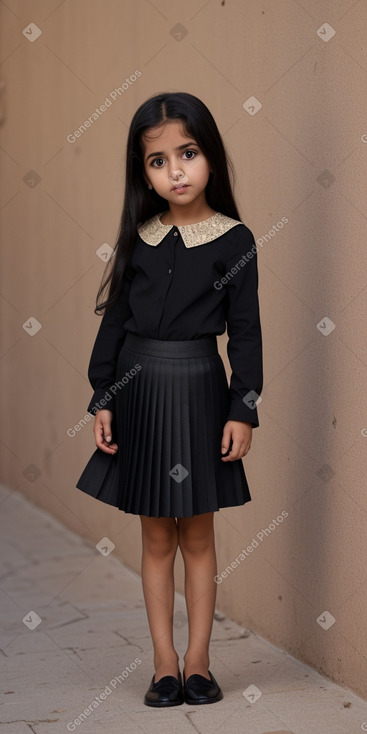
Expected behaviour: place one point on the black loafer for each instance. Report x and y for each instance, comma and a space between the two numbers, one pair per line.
198, 689
167, 692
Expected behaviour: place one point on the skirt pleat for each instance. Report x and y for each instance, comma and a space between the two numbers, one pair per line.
168, 424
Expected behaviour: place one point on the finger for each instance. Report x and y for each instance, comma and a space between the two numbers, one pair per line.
106, 428
238, 450
106, 448
98, 435
226, 439
100, 438
98, 428
238, 444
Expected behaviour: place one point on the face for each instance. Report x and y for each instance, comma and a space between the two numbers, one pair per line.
174, 164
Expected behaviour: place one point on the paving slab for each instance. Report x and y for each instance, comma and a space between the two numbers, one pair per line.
82, 658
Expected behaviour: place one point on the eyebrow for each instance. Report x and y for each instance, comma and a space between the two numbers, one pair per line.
179, 147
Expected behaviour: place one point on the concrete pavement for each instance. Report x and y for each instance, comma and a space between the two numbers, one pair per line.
77, 654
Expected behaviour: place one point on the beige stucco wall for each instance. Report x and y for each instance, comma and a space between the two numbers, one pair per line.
302, 156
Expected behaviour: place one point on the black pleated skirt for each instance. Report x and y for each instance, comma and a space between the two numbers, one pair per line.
172, 401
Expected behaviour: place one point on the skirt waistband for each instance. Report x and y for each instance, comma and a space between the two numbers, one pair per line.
166, 348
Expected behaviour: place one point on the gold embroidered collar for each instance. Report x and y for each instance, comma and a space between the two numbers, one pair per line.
153, 230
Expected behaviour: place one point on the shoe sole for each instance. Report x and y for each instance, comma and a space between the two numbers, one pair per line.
199, 702
164, 704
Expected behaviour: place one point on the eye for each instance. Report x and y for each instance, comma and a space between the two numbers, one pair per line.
192, 154
159, 162
155, 161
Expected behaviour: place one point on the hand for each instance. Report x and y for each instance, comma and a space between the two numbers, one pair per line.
241, 435
102, 431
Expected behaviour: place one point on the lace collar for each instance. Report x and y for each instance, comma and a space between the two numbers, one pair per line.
153, 230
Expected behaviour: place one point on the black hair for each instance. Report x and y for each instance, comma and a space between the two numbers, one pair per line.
141, 203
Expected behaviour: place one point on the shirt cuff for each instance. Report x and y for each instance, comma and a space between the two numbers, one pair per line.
242, 411
101, 400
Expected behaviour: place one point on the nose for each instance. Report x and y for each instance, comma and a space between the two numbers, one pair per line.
176, 175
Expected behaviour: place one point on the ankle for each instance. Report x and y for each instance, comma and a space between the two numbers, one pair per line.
165, 658
196, 658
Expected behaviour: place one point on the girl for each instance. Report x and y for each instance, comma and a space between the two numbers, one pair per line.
170, 432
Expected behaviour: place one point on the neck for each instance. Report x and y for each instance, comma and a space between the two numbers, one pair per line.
181, 215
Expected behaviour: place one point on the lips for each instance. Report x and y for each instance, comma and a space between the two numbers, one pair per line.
180, 188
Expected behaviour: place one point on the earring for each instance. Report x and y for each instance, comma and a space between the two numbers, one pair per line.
150, 186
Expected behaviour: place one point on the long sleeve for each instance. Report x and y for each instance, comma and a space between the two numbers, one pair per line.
109, 340
244, 346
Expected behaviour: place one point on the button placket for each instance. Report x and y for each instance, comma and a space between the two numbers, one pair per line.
162, 300
175, 234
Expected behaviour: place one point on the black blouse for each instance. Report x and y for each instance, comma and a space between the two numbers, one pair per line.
187, 282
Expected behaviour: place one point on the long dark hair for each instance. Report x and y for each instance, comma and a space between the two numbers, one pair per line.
141, 203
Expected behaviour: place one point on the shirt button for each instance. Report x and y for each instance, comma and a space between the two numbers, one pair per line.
170, 270
175, 234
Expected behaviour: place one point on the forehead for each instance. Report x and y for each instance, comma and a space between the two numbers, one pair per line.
167, 135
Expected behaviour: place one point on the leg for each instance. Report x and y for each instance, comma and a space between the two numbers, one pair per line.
197, 544
160, 542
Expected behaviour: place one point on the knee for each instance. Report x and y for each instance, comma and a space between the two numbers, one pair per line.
160, 546
159, 542
195, 542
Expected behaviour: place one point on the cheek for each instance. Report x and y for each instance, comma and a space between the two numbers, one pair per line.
156, 176
204, 173
202, 169
150, 174
153, 171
